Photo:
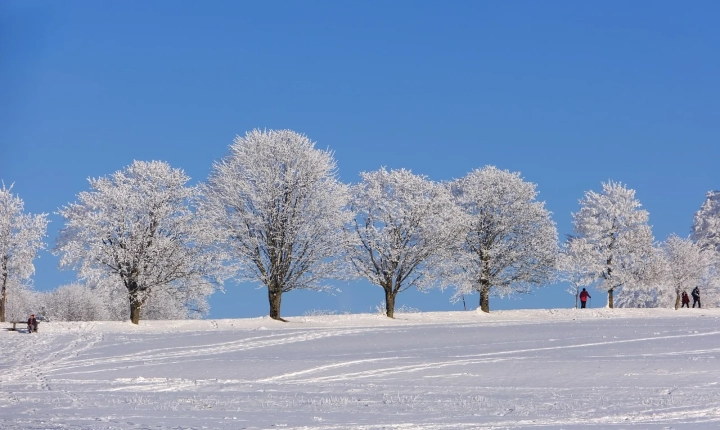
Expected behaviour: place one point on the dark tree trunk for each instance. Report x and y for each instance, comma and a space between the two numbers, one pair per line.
274, 297
135, 302
485, 298
389, 303
3, 299
677, 300
3, 293
134, 311
576, 298
610, 298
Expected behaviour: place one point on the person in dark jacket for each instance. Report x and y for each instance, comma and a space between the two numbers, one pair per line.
685, 299
584, 295
32, 324
696, 296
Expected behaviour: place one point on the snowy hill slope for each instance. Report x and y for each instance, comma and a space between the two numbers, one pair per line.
448, 370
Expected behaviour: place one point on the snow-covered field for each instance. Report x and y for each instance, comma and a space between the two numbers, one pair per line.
623, 368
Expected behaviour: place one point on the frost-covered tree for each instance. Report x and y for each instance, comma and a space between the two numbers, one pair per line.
687, 265
404, 225
510, 242
104, 302
706, 225
73, 302
278, 209
25, 301
21, 237
710, 286
650, 288
575, 264
619, 237
137, 228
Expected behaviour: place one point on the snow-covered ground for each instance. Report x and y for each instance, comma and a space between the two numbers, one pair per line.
601, 368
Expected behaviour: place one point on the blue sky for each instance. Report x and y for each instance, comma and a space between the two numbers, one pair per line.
568, 93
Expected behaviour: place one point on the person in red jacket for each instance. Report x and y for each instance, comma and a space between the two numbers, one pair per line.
685, 299
584, 295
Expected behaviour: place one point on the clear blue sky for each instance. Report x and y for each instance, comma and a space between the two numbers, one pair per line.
569, 93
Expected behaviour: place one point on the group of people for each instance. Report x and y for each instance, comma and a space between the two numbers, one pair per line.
695, 293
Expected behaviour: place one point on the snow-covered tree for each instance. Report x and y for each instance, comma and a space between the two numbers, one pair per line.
137, 228
651, 288
73, 302
25, 301
687, 265
404, 225
706, 225
710, 285
510, 242
21, 237
619, 237
277, 207
576, 264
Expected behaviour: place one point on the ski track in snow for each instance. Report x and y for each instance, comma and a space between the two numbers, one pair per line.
654, 370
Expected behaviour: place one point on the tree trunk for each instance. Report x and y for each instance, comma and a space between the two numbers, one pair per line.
677, 300
389, 303
135, 303
3, 294
610, 298
576, 297
134, 311
485, 298
274, 297
3, 300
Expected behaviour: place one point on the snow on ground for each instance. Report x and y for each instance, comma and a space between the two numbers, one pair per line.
599, 368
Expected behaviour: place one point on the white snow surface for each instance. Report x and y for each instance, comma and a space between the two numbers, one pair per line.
564, 369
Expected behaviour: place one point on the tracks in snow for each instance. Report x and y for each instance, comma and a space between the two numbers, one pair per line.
27, 359
162, 355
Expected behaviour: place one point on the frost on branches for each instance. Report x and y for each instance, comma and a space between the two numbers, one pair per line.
510, 240
576, 264
74, 302
619, 239
651, 288
404, 225
21, 237
686, 265
706, 225
277, 208
136, 229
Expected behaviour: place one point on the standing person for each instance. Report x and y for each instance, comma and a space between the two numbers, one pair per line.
32, 324
685, 299
696, 296
584, 295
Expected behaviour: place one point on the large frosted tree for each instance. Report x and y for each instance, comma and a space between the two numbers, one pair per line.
404, 225
21, 237
687, 265
136, 228
706, 225
278, 209
618, 235
510, 242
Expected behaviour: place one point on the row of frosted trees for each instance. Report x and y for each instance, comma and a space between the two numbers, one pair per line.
273, 212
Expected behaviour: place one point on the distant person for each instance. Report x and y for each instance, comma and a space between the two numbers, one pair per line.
32, 324
696, 296
685, 300
584, 295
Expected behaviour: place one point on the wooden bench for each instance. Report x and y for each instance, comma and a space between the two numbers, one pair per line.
15, 323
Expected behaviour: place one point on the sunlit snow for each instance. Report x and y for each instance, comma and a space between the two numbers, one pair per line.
565, 369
